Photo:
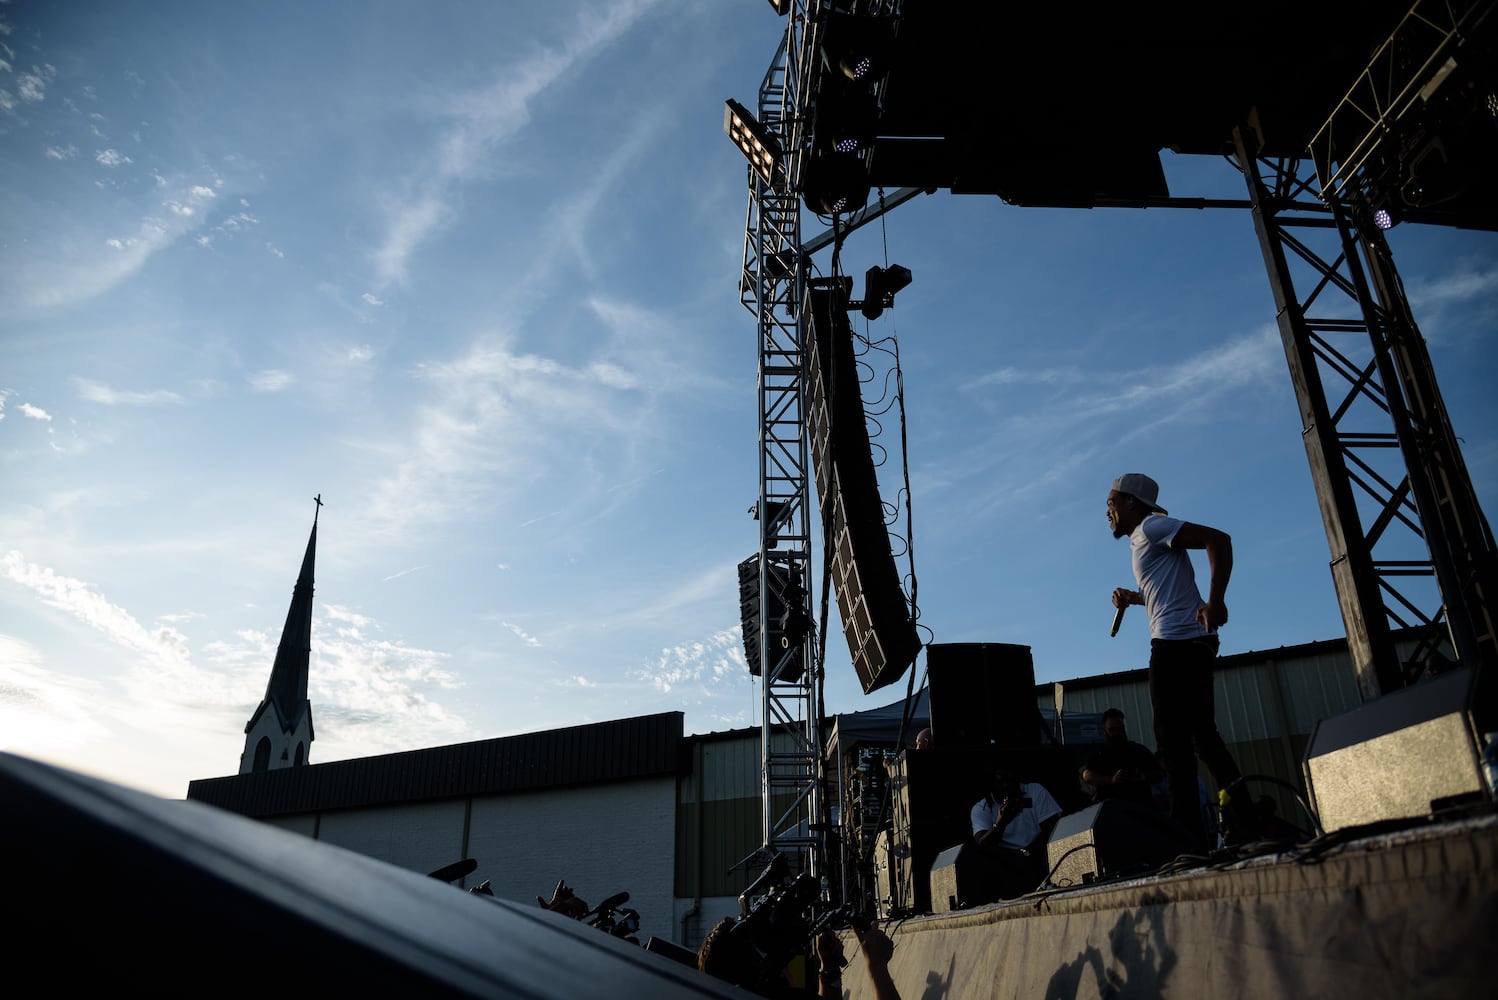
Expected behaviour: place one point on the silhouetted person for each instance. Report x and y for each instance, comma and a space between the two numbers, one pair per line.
1120, 768
1011, 824
1183, 630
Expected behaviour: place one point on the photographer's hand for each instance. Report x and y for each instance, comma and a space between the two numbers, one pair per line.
830, 962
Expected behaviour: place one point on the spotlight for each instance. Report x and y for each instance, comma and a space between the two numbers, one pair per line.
759, 147
1382, 219
859, 46
879, 287
846, 116
782, 7
833, 183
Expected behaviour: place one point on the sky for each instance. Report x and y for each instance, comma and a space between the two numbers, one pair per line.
469, 272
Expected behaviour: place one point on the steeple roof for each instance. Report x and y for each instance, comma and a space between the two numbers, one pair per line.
287, 689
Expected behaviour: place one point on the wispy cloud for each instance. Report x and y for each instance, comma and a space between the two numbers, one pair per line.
161, 646
43, 711
54, 275
705, 667
98, 392
61, 152
1063, 419
112, 158
496, 419
524, 636
35, 412
32, 87
1463, 285
271, 380
484, 119
371, 694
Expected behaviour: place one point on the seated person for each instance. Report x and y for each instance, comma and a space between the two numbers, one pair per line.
1120, 768
1011, 824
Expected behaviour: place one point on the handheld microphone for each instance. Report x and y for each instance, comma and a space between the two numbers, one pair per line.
1117, 620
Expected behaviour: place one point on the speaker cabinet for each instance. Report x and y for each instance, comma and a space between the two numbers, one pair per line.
1113, 837
982, 695
881, 636
1397, 757
961, 877
749, 616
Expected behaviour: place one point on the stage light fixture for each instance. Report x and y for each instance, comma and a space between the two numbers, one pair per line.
857, 45
759, 147
782, 7
846, 115
879, 287
834, 183
1382, 219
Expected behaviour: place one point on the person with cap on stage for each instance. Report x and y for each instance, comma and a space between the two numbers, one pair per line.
1183, 635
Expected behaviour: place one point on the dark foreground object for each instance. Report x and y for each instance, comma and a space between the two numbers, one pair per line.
113, 888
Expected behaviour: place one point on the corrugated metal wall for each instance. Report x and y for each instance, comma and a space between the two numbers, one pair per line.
718, 815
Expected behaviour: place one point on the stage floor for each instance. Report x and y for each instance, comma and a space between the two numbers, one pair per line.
1412, 913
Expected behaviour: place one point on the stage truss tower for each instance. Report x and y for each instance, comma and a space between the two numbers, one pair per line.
771, 287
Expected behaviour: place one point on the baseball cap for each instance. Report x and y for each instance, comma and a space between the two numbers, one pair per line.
1140, 487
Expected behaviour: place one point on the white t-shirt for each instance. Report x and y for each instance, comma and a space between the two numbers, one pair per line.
1166, 579
1025, 827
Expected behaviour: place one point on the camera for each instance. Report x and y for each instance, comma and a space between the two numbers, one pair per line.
779, 925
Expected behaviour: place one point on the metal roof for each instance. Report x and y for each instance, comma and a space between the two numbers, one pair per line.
623, 749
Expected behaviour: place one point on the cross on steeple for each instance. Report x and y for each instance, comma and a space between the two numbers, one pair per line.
317, 500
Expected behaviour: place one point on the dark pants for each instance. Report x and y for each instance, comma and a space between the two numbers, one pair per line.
1186, 724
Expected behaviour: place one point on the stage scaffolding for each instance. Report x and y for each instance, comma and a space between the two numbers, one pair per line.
1410, 545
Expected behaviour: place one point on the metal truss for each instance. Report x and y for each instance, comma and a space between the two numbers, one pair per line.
770, 287
1409, 544
1402, 73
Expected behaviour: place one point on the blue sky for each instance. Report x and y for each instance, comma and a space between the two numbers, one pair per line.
470, 271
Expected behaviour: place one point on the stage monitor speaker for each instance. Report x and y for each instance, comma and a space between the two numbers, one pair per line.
1111, 838
881, 635
982, 695
1397, 757
749, 616
961, 877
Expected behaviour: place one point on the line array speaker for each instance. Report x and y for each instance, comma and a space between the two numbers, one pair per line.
876, 620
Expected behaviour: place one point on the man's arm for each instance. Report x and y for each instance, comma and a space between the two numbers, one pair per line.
1219, 546
994, 835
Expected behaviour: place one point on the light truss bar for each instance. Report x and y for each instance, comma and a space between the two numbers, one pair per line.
1388, 88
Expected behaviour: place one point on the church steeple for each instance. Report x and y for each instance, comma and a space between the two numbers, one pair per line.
279, 733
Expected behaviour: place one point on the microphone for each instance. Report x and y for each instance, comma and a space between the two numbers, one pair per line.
1117, 620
